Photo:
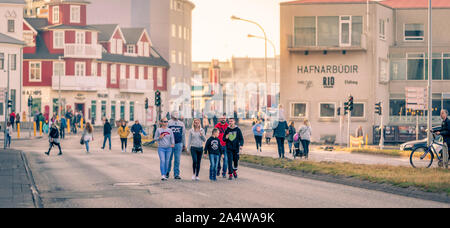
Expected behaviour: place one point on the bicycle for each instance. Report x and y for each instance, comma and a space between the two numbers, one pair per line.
422, 157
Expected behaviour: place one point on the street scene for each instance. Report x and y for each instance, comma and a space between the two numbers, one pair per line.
267, 104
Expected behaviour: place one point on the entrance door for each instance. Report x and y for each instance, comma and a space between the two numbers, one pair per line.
79, 107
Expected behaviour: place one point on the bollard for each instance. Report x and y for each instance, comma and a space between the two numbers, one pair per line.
34, 128
40, 128
81, 124
68, 125
18, 130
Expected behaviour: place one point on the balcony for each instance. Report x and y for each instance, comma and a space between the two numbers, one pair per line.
87, 51
135, 85
292, 47
79, 83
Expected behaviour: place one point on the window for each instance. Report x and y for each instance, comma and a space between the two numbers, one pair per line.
113, 74
132, 72
131, 49
180, 31
141, 73
357, 28
35, 72
131, 110
122, 110
328, 31
113, 46
2, 61
58, 39
80, 37
174, 31
445, 64
159, 77
383, 77
382, 29
304, 31
94, 69
119, 47
180, 57
345, 29
327, 110
358, 110
93, 110
94, 37
416, 67
58, 69
123, 72
113, 110
103, 109
13, 62
397, 107
173, 57
75, 14
28, 38
397, 67
80, 69
414, 32
11, 26
104, 70
298, 110
13, 100
55, 14
146, 49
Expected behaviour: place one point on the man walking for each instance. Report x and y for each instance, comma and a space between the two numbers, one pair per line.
445, 133
106, 134
235, 141
178, 130
222, 126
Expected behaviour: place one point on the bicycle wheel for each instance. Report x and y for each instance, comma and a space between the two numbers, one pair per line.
421, 158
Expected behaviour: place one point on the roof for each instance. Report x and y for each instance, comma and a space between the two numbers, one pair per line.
396, 4
86, 27
105, 31
13, 1
5, 39
41, 51
132, 35
37, 23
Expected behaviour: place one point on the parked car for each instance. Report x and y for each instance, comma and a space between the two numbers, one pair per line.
412, 145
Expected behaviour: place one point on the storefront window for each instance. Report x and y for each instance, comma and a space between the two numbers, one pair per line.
298, 110
304, 31
416, 69
113, 111
37, 105
327, 110
358, 110
446, 67
328, 31
446, 104
397, 107
398, 69
103, 109
1, 108
122, 110
131, 110
93, 110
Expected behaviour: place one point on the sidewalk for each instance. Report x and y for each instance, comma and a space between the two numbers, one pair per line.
15, 187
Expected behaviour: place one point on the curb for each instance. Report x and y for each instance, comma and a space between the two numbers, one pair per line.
35, 192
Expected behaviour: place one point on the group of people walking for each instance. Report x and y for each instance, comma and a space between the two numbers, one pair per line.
224, 144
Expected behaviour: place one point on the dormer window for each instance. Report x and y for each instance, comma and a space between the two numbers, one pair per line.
131, 49
55, 14
75, 14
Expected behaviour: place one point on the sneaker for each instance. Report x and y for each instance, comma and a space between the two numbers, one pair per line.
193, 177
59, 154
197, 178
178, 178
47, 153
235, 174
163, 178
167, 175
218, 173
230, 177
224, 175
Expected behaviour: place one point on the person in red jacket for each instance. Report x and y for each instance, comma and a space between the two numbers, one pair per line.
222, 126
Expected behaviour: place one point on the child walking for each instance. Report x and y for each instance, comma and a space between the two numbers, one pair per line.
213, 148
234, 141
166, 141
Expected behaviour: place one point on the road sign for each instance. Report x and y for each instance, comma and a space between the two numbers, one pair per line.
416, 98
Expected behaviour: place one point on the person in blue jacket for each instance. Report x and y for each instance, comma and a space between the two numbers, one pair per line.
258, 132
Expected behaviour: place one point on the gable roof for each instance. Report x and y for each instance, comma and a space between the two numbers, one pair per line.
13, 1
37, 23
133, 35
5, 39
106, 31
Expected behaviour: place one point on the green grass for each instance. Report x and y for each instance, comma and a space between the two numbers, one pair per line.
429, 180
373, 151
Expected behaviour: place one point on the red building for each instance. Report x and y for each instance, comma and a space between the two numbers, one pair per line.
99, 70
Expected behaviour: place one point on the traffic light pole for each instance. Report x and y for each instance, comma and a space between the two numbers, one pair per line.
6, 104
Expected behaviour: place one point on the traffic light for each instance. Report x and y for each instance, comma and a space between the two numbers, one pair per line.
339, 111
9, 103
157, 98
378, 109
345, 108
146, 103
350, 103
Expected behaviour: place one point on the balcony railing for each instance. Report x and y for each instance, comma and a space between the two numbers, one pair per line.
79, 83
89, 51
293, 47
135, 85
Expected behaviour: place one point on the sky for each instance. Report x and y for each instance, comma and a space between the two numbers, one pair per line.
215, 35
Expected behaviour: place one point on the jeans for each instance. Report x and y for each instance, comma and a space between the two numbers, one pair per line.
225, 160
280, 143
108, 136
305, 144
164, 155
176, 164
51, 146
233, 160
290, 145
196, 153
8, 140
62, 132
123, 142
258, 140
86, 142
213, 160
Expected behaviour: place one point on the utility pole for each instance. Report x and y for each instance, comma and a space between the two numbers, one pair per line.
430, 72
6, 101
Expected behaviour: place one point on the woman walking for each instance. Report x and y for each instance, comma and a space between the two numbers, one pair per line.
195, 145
9, 132
268, 130
123, 132
305, 136
280, 132
166, 141
290, 137
87, 136
258, 132
53, 139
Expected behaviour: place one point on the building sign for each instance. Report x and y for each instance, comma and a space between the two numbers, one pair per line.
328, 82
328, 69
32, 92
102, 95
80, 97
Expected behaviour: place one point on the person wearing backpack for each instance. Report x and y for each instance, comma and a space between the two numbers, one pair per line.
258, 132
53, 138
305, 136
290, 136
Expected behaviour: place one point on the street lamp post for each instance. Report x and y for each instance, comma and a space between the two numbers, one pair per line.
59, 90
430, 99
274, 56
265, 46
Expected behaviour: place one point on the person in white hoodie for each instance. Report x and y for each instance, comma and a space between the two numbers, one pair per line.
305, 137
178, 130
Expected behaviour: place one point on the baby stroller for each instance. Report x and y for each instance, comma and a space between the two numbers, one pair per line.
137, 143
298, 148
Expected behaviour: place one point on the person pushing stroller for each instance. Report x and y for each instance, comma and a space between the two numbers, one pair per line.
136, 130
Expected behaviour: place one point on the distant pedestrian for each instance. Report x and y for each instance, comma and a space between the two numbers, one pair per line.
9, 132
196, 139
166, 141
268, 131
178, 128
359, 132
234, 141
12, 118
279, 132
87, 136
53, 138
290, 136
17, 118
45, 128
155, 126
222, 126
205, 123
258, 132
106, 134
213, 148
123, 132
305, 136
63, 127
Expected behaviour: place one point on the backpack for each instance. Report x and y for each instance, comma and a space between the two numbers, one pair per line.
296, 137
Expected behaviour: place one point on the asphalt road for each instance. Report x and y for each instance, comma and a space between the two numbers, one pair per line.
115, 179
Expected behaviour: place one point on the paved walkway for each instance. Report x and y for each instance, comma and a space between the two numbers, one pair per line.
15, 188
